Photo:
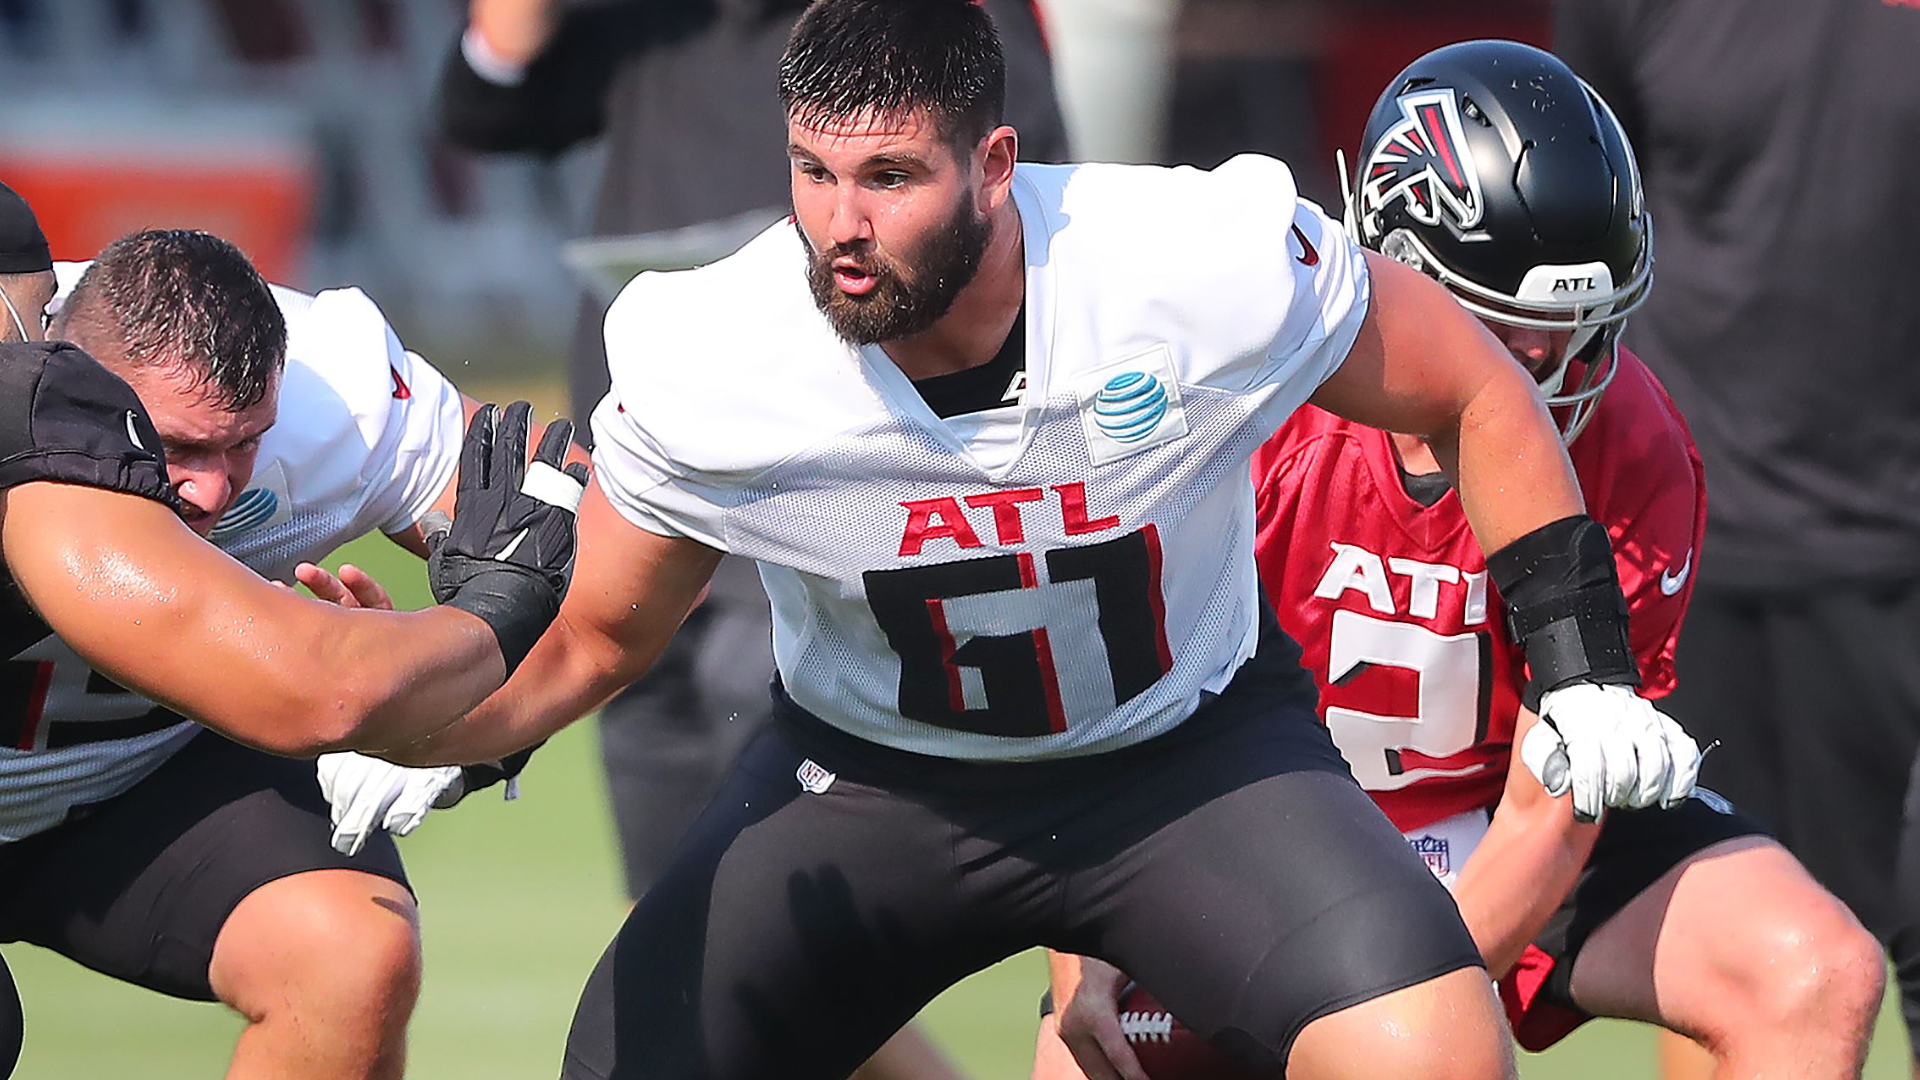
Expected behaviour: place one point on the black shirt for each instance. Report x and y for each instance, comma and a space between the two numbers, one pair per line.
1427, 489
1777, 139
65, 418
992, 385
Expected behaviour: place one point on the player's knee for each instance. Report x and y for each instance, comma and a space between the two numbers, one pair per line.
367, 953
1448, 1028
1818, 968
1469, 1053
333, 942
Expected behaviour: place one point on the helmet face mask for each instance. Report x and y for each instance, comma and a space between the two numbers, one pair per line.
1495, 170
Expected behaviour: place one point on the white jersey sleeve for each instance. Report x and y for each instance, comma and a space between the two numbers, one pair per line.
1330, 290
643, 483
405, 418
1261, 286
697, 408
419, 448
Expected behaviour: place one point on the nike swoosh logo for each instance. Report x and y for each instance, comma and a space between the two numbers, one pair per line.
1672, 581
133, 433
512, 546
1311, 257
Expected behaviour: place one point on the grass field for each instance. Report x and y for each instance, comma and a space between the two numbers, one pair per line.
518, 900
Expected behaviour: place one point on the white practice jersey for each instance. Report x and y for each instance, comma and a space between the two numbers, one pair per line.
1064, 575
368, 437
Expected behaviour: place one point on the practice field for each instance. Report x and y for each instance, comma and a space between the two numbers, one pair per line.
518, 899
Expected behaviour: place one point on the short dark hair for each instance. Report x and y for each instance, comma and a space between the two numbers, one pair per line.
891, 57
185, 298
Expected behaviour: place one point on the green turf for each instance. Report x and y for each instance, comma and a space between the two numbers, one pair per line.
518, 900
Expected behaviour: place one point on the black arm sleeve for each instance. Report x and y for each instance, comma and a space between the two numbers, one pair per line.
562, 100
1564, 607
65, 418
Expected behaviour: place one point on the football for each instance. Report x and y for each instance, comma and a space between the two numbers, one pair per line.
1168, 1049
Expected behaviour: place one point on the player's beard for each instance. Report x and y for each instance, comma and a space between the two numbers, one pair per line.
900, 304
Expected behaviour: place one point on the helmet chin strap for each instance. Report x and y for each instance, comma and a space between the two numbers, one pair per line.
1550, 384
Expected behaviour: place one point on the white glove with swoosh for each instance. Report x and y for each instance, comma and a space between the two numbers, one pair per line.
1611, 748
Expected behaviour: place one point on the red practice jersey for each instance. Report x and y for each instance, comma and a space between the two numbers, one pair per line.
1390, 600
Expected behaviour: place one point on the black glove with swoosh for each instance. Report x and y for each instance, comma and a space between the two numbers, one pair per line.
508, 553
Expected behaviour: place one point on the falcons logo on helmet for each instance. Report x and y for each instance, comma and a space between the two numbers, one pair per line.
1424, 161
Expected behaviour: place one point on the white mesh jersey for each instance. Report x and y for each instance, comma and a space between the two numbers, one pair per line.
368, 437
1062, 576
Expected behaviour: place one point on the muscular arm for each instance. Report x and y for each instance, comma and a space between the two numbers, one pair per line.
631, 590
1524, 866
1423, 366
169, 616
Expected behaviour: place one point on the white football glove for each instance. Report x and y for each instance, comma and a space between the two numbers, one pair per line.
1611, 748
367, 794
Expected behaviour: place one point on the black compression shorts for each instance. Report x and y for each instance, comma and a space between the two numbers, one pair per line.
138, 887
834, 887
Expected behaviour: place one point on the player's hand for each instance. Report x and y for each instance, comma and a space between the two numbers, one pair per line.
508, 553
368, 794
1609, 747
353, 588
517, 30
1090, 1024
1051, 1058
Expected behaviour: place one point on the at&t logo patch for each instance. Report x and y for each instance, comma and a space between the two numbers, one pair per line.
250, 511
264, 503
1131, 405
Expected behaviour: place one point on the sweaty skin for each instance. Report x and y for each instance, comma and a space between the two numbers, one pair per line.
123, 581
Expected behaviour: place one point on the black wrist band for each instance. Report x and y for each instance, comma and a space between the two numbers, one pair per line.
483, 775
1564, 606
517, 605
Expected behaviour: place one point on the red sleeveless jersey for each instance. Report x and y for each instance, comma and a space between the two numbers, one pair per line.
1391, 603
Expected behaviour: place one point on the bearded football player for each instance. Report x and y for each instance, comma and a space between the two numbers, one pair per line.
1490, 167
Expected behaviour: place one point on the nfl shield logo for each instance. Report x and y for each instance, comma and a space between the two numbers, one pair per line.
1436, 851
813, 778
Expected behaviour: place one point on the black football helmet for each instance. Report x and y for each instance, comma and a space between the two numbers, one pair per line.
1490, 166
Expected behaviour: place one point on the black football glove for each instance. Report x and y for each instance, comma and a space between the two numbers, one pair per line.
508, 553
488, 773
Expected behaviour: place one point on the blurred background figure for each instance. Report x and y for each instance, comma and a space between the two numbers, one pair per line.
1776, 143
695, 166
